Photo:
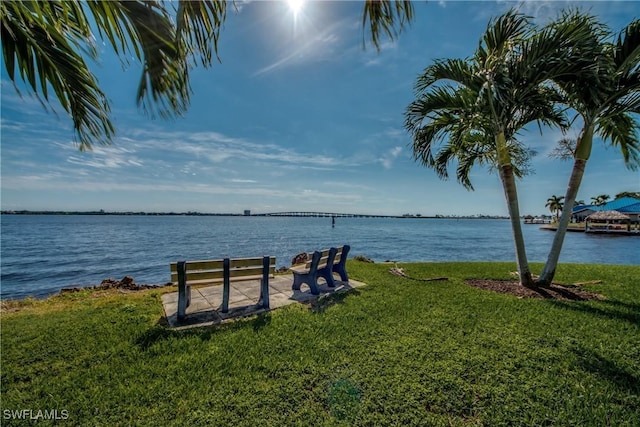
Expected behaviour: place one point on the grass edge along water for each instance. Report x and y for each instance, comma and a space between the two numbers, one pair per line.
395, 352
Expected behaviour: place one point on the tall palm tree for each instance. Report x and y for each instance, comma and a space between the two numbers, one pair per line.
471, 110
554, 203
45, 43
606, 102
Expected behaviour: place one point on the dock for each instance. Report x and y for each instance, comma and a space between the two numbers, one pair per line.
600, 231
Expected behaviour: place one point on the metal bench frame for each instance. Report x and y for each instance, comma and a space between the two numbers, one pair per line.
322, 264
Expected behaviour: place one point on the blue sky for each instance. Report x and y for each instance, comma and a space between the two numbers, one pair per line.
296, 117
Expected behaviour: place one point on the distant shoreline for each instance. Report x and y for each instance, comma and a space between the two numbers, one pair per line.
276, 214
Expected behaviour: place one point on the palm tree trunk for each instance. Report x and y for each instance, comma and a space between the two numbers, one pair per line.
583, 151
549, 270
511, 194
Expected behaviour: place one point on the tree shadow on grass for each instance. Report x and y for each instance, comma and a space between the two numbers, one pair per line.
617, 310
161, 331
591, 361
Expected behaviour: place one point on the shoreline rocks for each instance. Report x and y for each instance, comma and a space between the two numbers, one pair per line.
127, 282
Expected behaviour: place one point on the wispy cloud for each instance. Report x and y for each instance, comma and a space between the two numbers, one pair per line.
55, 182
390, 156
109, 157
216, 147
242, 181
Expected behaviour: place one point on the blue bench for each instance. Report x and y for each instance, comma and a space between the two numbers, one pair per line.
322, 264
187, 273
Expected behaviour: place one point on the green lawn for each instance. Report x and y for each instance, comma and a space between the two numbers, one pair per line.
396, 352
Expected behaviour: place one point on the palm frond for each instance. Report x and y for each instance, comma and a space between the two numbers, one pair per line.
456, 70
198, 27
386, 16
163, 88
43, 56
622, 131
626, 56
500, 36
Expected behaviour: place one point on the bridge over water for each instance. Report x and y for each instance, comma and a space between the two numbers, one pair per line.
326, 215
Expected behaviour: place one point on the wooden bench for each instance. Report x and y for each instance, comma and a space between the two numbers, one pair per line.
187, 273
321, 264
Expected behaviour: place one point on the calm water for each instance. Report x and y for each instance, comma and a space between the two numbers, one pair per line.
41, 254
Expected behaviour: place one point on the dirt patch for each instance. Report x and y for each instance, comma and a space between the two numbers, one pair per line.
555, 291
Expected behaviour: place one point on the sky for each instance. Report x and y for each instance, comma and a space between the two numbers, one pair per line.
297, 116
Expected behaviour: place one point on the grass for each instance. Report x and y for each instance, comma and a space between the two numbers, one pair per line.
396, 352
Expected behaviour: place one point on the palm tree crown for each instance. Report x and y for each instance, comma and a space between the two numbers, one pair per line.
554, 203
600, 199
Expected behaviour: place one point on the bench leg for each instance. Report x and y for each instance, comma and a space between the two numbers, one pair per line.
342, 272
341, 268
226, 286
264, 284
327, 275
327, 271
298, 280
309, 279
184, 291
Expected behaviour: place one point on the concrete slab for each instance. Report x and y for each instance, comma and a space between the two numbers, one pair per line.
250, 290
206, 303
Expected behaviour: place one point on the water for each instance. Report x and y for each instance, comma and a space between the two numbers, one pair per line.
43, 253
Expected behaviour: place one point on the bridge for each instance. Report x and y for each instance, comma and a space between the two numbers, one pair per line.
326, 215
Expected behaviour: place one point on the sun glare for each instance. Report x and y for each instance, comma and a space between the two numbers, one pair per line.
295, 6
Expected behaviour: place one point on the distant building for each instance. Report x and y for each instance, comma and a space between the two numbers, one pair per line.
247, 212
625, 205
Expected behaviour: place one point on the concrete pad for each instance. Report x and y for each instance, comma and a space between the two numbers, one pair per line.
172, 297
279, 299
281, 283
211, 291
242, 311
197, 305
206, 303
251, 292
170, 308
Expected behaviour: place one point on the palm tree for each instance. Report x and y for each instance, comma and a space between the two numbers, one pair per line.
606, 102
632, 194
554, 203
471, 110
600, 200
45, 44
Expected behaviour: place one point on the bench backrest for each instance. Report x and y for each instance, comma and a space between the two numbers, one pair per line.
212, 271
324, 258
338, 256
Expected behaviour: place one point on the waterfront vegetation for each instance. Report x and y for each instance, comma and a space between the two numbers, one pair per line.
470, 111
395, 352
